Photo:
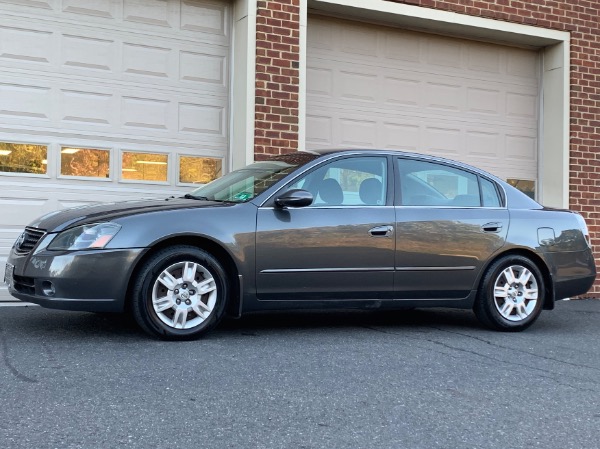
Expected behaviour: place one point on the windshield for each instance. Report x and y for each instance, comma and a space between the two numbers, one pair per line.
246, 183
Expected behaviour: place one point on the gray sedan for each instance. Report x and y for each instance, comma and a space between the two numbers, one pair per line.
337, 229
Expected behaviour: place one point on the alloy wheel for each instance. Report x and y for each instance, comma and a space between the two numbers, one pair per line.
516, 293
184, 295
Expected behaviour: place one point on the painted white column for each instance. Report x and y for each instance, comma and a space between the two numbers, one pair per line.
243, 69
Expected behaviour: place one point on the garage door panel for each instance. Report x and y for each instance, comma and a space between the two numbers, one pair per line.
422, 53
444, 96
200, 68
208, 19
44, 5
487, 145
485, 58
25, 44
521, 105
472, 101
81, 107
113, 54
391, 90
20, 101
401, 136
129, 61
126, 111
439, 116
402, 91
404, 47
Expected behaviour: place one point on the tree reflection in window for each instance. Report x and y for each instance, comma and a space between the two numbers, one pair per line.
144, 166
23, 158
199, 170
526, 186
86, 162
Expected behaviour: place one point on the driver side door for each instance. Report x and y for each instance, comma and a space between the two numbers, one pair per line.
341, 246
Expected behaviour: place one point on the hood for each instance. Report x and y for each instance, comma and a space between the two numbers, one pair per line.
66, 218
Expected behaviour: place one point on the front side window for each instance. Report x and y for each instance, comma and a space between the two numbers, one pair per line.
425, 183
357, 181
246, 183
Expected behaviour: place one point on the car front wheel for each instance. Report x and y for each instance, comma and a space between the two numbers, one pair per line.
179, 293
511, 295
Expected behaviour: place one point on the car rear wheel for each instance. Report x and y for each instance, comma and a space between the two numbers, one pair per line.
511, 295
180, 293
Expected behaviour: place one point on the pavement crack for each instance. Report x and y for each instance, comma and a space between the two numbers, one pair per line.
541, 372
543, 357
6, 358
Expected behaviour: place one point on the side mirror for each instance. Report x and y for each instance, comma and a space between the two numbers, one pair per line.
294, 198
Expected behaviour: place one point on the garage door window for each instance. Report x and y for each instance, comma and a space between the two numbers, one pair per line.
199, 170
145, 166
23, 158
524, 185
84, 162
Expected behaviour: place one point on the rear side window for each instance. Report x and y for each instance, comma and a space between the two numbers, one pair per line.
424, 183
489, 194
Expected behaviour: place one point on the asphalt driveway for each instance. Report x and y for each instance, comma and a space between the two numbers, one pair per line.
414, 379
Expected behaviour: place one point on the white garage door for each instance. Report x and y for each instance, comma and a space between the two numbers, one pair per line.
108, 99
375, 86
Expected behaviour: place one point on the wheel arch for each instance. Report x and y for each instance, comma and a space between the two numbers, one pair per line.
204, 243
540, 264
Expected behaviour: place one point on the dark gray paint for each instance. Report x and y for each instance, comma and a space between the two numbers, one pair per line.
328, 253
431, 242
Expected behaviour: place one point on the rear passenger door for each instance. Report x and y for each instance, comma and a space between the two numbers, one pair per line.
449, 221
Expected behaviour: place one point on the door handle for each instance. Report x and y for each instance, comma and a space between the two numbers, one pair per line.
491, 227
381, 231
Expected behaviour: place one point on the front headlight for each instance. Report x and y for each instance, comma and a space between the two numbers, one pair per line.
92, 236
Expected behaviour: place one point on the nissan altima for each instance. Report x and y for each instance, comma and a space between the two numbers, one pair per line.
322, 229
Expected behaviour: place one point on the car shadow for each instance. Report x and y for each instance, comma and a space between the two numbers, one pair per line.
122, 327
119, 326
339, 319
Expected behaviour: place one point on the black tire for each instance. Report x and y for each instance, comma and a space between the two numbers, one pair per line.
163, 323
514, 312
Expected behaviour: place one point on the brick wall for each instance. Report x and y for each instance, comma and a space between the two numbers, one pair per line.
277, 62
277, 81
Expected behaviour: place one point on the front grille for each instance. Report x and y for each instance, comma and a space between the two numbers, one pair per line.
27, 241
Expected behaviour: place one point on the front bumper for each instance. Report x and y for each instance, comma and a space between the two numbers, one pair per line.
93, 281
